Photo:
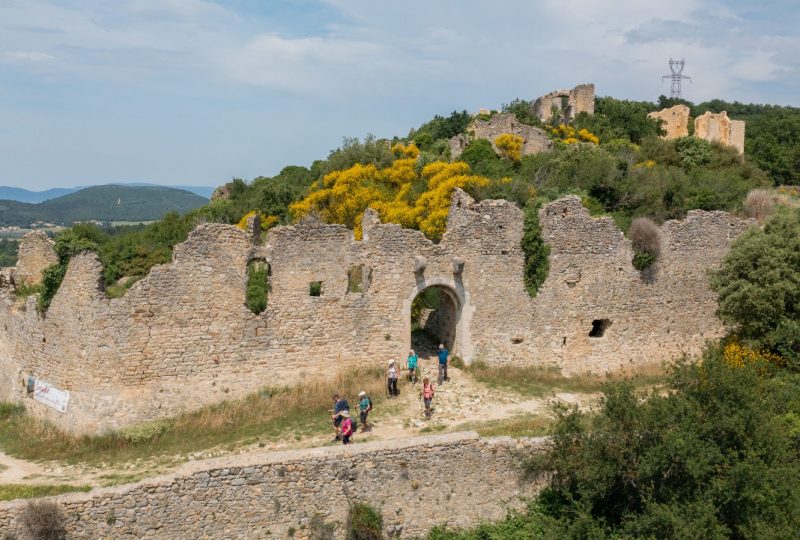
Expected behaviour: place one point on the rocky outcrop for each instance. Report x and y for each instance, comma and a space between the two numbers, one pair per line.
534, 139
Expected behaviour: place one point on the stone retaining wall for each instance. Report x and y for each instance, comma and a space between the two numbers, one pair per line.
456, 479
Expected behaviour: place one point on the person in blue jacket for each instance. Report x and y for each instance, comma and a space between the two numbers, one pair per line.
443, 353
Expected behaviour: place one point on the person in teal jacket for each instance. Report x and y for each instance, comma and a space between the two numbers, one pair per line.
412, 364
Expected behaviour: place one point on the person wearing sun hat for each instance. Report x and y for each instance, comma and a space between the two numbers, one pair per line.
347, 427
391, 376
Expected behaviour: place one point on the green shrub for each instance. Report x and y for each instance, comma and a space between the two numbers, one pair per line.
693, 152
144, 432
536, 251
24, 290
709, 456
759, 286
642, 260
364, 523
478, 152
257, 286
645, 238
319, 529
52, 276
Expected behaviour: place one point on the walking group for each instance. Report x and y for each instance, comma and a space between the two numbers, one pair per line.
345, 425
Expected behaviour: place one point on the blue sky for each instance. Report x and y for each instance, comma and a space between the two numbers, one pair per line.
198, 92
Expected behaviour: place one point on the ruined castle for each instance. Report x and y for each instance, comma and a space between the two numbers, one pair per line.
182, 337
708, 126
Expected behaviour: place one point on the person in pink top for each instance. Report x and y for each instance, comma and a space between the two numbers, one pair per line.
427, 396
347, 427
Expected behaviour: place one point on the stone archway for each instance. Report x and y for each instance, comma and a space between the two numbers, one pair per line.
448, 322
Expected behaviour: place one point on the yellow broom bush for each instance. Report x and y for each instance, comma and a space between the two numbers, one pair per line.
343, 196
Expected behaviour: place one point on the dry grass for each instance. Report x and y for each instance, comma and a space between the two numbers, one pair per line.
759, 204
645, 236
43, 520
540, 381
9, 492
527, 425
271, 414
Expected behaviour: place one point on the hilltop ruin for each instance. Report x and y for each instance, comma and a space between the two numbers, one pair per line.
708, 126
565, 105
182, 337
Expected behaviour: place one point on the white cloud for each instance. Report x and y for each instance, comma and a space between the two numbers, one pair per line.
313, 65
26, 57
178, 8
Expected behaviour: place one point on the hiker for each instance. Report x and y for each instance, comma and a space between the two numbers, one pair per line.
364, 406
391, 375
412, 361
442, 354
347, 427
340, 405
427, 396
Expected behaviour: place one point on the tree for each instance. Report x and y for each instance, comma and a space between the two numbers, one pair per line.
710, 456
759, 286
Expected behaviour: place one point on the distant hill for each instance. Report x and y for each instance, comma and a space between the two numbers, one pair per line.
102, 203
24, 195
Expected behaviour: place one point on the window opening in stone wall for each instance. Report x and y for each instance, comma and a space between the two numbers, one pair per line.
358, 279
257, 288
599, 327
434, 315
315, 288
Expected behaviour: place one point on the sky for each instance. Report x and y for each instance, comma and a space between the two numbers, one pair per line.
199, 91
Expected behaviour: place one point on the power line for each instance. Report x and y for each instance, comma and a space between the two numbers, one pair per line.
676, 67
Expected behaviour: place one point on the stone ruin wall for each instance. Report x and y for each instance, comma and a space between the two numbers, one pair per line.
534, 139
719, 128
182, 337
709, 126
675, 121
418, 483
35, 254
568, 103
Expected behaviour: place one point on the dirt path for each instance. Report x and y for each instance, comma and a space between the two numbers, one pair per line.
462, 400
17, 471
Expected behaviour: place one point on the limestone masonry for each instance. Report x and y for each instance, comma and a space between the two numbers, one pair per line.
719, 128
417, 483
534, 139
676, 121
35, 254
182, 338
566, 104
709, 126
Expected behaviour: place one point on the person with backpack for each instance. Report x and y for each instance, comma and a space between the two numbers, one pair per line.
391, 375
443, 354
347, 427
340, 406
364, 407
427, 396
412, 361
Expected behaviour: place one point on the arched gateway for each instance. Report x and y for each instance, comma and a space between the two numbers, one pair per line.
448, 321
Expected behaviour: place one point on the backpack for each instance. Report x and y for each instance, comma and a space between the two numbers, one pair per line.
354, 424
370, 403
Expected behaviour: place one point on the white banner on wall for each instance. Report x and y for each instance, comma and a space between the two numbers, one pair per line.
50, 395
